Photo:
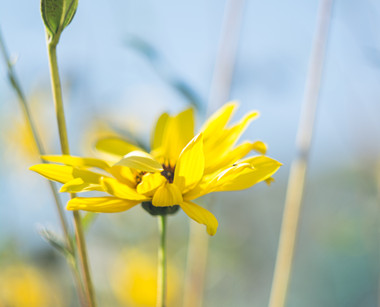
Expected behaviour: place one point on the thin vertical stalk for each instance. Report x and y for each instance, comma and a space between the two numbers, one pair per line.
32, 127
25, 108
57, 96
219, 93
161, 279
196, 266
226, 55
377, 180
298, 170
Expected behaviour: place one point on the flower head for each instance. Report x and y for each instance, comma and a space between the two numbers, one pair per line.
22, 285
180, 167
134, 279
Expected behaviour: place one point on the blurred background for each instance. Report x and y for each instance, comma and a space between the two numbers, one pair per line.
122, 63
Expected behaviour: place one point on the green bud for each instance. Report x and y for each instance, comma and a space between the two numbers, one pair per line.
57, 15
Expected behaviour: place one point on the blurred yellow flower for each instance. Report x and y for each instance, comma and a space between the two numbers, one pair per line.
23, 286
20, 139
180, 168
17, 135
134, 280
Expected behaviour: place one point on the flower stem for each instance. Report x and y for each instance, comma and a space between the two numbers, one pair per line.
161, 280
57, 96
294, 195
37, 140
21, 98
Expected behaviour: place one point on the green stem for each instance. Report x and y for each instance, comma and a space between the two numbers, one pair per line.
161, 280
21, 98
27, 115
57, 96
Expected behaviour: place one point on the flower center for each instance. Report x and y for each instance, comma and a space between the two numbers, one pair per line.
139, 176
168, 172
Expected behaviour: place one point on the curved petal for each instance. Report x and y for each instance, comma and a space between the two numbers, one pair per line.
150, 183
216, 123
237, 177
229, 157
179, 130
240, 177
115, 146
260, 147
78, 185
159, 130
190, 166
77, 161
201, 215
59, 173
167, 195
269, 180
100, 204
142, 161
120, 190
227, 138
125, 175
64, 173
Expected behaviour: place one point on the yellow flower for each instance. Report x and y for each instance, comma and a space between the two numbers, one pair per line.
134, 280
23, 286
180, 168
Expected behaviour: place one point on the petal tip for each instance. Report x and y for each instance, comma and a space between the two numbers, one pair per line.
212, 231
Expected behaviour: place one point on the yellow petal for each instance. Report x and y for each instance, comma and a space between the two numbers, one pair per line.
190, 165
213, 147
60, 173
142, 161
241, 177
212, 182
260, 147
120, 190
269, 180
64, 173
79, 185
100, 204
167, 195
124, 175
216, 123
150, 183
229, 157
179, 130
115, 146
77, 161
201, 215
159, 130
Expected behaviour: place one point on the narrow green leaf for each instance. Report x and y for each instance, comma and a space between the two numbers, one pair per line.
164, 70
53, 239
88, 219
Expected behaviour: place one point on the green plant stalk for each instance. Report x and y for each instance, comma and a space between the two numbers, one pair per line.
57, 96
161, 280
297, 177
21, 98
27, 115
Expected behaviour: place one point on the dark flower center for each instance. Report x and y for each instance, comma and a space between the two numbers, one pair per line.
168, 172
139, 176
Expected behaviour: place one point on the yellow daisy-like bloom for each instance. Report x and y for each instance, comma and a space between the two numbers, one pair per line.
134, 280
23, 286
180, 167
